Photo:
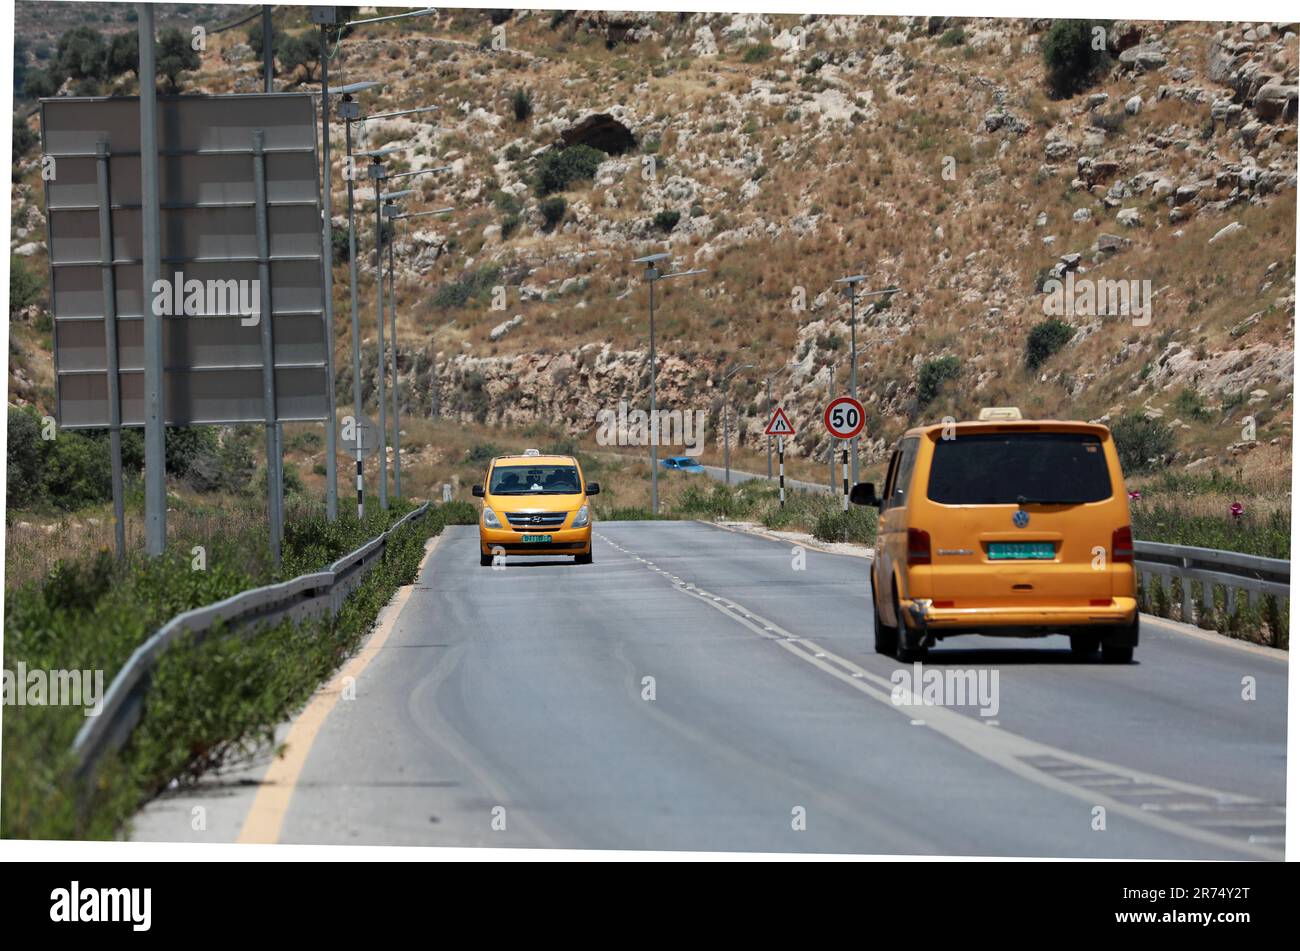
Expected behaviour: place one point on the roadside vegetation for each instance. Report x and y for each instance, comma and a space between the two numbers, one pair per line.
210, 703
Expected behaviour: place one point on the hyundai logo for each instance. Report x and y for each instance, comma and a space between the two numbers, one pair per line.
1021, 518
537, 520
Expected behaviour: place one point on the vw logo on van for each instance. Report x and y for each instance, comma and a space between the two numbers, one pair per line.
1021, 518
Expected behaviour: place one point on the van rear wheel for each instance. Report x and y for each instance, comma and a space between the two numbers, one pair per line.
1084, 645
886, 637
907, 652
1117, 653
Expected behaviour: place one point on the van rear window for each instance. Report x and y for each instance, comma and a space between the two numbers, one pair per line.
1010, 468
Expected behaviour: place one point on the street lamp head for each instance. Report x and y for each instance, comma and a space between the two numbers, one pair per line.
652, 258
350, 88
396, 16
377, 154
692, 271
393, 196
852, 279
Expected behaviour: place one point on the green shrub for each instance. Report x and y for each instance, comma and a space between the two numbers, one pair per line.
509, 225
1142, 443
557, 170
24, 286
934, 373
1069, 57
1046, 339
954, 37
1190, 405
552, 210
757, 53
522, 103
470, 285
481, 453
24, 139
666, 220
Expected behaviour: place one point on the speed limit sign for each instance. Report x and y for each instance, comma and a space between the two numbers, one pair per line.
844, 417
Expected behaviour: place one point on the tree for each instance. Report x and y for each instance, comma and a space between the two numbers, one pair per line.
43, 83
175, 56
552, 210
24, 139
123, 55
82, 53
1142, 443
1071, 55
300, 50
255, 41
523, 105
934, 373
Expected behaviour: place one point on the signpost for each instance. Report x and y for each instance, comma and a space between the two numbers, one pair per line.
230, 271
780, 427
844, 419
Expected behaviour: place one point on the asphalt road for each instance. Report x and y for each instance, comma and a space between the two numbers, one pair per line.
511, 708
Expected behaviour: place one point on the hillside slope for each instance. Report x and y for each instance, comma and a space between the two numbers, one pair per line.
781, 153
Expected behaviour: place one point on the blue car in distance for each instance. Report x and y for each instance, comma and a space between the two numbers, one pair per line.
681, 464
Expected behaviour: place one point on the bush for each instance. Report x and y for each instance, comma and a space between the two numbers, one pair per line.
557, 170
1069, 56
1142, 443
522, 103
481, 453
552, 210
24, 286
757, 53
667, 220
1046, 339
24, 139
1190, 405
470, 285
458, 512
954, 37
934, 373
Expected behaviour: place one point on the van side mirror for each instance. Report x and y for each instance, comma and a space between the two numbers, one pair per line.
593, 488
477, 491
864, 493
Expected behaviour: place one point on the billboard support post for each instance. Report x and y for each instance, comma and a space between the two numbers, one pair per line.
155, 482
110, 343
274, 499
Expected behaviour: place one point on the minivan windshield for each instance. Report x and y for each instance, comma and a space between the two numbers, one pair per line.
1019, 467
534, 480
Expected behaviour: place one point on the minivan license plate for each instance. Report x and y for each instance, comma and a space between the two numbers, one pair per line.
1006, 551
543, 539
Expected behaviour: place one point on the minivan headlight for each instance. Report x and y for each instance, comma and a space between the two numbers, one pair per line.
490, 517
583, 517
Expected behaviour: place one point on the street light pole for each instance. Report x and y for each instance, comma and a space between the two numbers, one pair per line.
155, 484
652, 276
324, 16
379, 323
726, 412
268, 51
851, 286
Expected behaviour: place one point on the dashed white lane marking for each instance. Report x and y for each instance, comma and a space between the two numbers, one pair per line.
1026, 758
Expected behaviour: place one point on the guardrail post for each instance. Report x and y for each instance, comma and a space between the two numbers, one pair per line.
1189, 611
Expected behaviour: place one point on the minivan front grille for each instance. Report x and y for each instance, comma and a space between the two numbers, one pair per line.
527, 521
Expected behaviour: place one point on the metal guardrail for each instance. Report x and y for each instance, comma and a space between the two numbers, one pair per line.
307, 596
1157, 563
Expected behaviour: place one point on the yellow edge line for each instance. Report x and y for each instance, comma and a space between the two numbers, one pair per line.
266, 815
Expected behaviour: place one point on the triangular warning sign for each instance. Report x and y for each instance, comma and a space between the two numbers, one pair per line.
780, 424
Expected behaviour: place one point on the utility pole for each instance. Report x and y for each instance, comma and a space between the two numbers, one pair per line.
268, 51
325, 18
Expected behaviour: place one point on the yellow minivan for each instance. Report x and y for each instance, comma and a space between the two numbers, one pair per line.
1003, 527
535, 505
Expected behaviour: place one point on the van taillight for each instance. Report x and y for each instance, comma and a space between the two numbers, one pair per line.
1121, 545
918, 547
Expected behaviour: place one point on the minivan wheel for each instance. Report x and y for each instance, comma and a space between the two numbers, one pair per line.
582, 559
484, 561
907, 652
1117, 653
1084, 645
886, 637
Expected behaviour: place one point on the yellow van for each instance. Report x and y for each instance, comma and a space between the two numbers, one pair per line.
535, 505
1003, 527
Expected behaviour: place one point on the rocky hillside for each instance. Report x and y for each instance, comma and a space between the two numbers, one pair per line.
780, 153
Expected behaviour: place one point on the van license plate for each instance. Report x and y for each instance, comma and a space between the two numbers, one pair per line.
542, 539
1034, 551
